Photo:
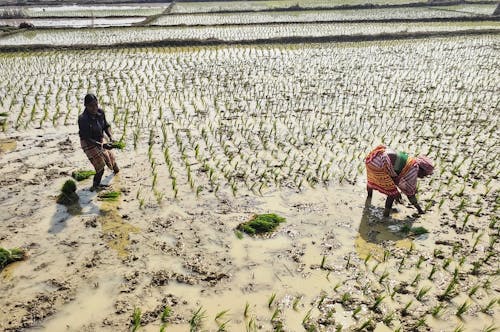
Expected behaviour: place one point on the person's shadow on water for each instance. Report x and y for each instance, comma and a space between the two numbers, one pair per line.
85, 205
375, 230
64, 213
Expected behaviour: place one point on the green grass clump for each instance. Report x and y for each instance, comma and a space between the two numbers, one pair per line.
261, 223
82, 175
109, 195
118, 145
8, 256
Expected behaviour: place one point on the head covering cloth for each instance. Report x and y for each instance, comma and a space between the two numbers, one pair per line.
425, 164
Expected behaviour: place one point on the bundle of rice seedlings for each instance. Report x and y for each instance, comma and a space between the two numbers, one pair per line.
82, 175
118, 145
261, 223
109, 195
8, 256
68, 194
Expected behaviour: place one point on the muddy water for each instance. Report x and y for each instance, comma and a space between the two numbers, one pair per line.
96, 264
7, 145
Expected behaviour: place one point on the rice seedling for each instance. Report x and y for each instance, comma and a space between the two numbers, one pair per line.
271, 300
307, 317
321, 299
246, 310
275, 315
416, 280
355, 312
387, 254
489, 328
446, 263
136, 319
82, 175
196, 321
367, 258
407, 306
476, 241
420, 322
475, 267
459, 328
401, 264
261, 223
251, 326
422, 292
221, 314
462, 308
388, 318
378, 301
456, 248
295, 303
383, 276
9, 256
487, 308
368, 325
419, 262
437, 253
166, 314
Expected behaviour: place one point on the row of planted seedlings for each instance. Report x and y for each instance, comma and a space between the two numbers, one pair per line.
291, 129
234, 33
303, 128
412, 288
310, 16
278, 125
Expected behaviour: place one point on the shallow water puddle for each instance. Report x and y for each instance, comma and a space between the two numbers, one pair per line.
92, 303
7, 145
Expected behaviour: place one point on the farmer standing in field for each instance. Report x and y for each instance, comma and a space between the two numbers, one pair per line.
92, 125
387, 170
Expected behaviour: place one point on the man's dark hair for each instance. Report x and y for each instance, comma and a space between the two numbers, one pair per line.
89, 98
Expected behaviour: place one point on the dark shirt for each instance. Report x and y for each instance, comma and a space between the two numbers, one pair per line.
92, 126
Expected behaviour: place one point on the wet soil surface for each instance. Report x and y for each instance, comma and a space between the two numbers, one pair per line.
334, 263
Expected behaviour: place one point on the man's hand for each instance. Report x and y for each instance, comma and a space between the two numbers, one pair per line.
107, 146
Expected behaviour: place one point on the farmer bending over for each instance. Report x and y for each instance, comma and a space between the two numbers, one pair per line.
92, 124
388, 170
